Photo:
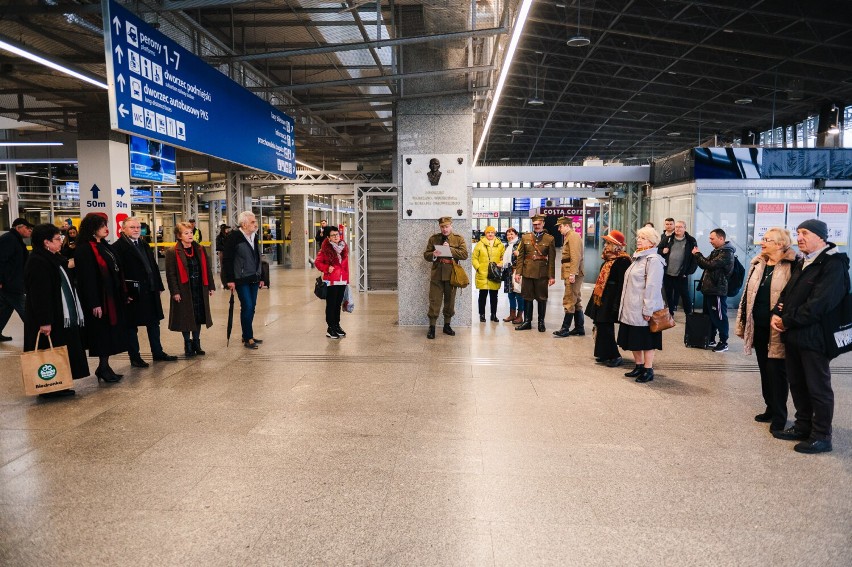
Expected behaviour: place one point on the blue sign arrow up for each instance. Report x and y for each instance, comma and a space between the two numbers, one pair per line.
95, 191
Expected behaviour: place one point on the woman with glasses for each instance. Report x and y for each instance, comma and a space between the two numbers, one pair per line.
100, 284
516, 300
53, 308
641, 296
333, 262
769, 273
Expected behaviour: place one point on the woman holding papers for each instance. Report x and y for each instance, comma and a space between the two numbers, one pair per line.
333, 262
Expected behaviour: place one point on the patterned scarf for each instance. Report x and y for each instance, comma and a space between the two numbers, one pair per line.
609, 258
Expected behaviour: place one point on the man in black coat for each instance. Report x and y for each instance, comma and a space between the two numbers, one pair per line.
676, 249
714, 284
816, 287
144, 284
13, 256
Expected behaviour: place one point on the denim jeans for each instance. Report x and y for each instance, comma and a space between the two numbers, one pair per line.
247, 293
516, 301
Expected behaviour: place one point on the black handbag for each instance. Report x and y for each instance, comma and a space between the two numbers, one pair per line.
837, 329
495, 271
320, 289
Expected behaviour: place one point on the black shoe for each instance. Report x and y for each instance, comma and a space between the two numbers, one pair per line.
196, 346
250, 344
449, 330
791, 434
163, 357
577, 332
260, 342
4, 338
137, 362
721, 347
494, 318
340, 332
637, 371
812, 446
58, 394
646, 376
764, 417
330, 333
481, 318
600, 359
614, 362
431, 333
561, 333
188, 351
525, 326
541, 327
107, 375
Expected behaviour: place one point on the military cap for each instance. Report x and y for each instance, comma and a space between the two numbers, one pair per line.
538, 218
564, 220
445, 220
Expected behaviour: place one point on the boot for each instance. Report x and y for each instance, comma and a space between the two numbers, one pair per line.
482, 317
431, 333
646, 376
579, 328
519, 317
527, 324
448, 330
188, 349
196, 346
542, 310
511, 317
566, 326
638, 370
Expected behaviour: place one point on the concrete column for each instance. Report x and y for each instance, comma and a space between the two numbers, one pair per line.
438, 125
300, 232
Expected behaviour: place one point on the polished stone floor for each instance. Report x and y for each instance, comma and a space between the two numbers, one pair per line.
494, 447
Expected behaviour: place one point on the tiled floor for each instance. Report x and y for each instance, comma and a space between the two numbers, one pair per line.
493, 447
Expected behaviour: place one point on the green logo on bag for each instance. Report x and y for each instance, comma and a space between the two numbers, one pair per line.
47, 371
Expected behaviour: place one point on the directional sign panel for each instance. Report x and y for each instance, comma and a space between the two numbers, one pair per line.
161, 91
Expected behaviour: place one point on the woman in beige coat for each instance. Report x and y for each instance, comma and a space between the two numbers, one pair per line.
769, 273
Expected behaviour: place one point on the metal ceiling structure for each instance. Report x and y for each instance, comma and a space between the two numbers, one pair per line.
656, 77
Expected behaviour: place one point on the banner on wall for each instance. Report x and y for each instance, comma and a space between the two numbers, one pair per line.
797, 213
836, 216
766, 216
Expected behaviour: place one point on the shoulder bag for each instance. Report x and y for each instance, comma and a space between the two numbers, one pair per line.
661, 319
495, 271
320, 289
458, 277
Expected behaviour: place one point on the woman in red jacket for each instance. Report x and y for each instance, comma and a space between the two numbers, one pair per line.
333, 261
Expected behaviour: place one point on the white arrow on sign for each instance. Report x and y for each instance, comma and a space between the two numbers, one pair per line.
121, 82
123, 111
119, 53
117, 24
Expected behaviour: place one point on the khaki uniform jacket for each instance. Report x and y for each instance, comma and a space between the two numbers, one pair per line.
572, 256
441, 271
526, 266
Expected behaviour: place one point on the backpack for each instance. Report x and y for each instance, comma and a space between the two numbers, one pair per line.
736, 278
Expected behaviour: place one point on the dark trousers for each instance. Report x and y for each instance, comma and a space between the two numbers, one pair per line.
153, 339
605, 345
247, 293
674, 287
483, 296
773, 378
716, 306
9, 303
333, 301
441, 292
534, 289
810, 387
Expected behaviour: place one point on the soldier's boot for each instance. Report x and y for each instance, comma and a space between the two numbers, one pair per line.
542, 310
579, 328
527, 324
448, 330
566, 326
431, 333
511, 317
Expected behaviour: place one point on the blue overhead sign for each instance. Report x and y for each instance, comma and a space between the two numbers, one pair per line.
161, 91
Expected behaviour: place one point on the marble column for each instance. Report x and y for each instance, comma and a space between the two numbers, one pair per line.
299, 231
437, 125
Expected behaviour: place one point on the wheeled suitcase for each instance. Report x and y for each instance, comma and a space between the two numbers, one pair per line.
697, 331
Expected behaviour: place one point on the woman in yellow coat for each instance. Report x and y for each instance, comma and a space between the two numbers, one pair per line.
488, 249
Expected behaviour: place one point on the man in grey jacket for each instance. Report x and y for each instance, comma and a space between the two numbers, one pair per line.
241, 266
714, 284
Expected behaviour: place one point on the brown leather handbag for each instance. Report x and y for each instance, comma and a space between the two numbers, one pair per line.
661, 320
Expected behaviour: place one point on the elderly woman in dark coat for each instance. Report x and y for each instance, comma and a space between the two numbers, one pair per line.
189, 274
606, 298
52, 306
100, 284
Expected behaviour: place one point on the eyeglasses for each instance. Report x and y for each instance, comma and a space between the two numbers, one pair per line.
769, 241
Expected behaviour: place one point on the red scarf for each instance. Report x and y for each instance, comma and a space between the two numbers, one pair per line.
184, 275
108, 299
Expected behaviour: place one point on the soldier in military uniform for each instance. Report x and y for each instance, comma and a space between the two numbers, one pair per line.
572, 274
440, 289
536, 265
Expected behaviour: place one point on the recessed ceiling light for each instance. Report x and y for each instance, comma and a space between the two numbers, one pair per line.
744, 100
673, 134
517, 132
505, 158
535, 101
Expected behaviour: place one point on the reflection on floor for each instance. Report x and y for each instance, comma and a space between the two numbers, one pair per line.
494, 447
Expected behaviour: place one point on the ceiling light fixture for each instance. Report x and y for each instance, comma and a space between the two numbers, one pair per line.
534, 100
27, 144
517, 132
673, 134
11, 46
835, 128
504, 72
54, 161
578, 40
743, 100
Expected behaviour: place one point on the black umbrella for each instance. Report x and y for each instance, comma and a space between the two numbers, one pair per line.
230, 319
